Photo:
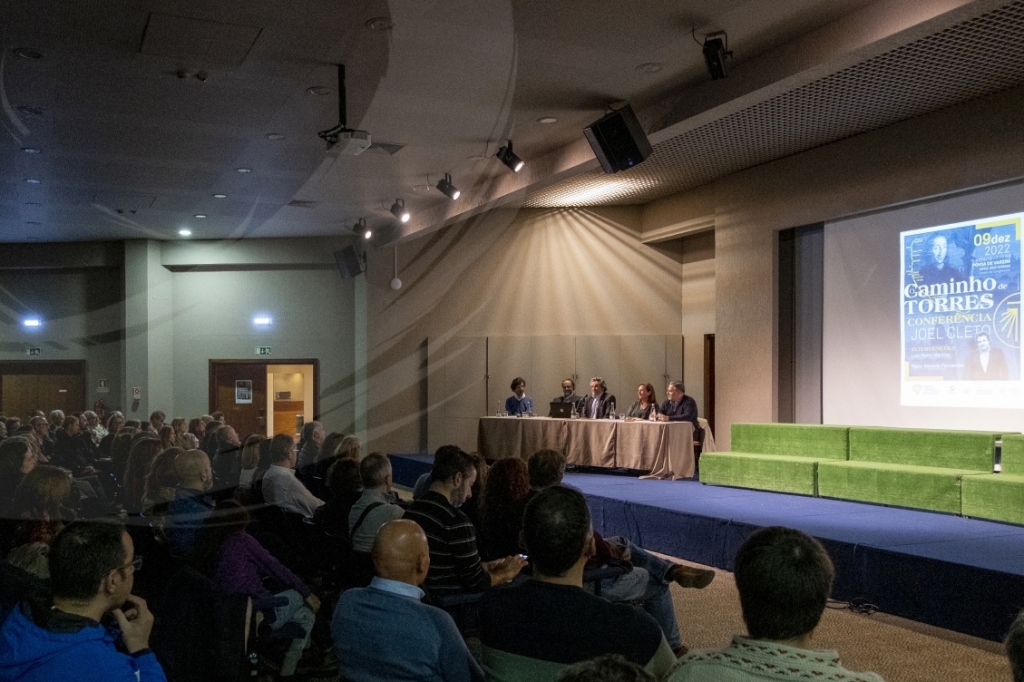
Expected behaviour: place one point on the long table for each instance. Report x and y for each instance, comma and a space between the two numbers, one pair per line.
664, 448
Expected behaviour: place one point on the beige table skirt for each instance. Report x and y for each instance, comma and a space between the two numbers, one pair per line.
664, 448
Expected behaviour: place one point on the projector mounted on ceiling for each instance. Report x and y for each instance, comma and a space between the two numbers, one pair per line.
342, 140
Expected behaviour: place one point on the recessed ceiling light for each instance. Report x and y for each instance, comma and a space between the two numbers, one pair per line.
29, 110
30, 150
32, 322
379, 24
28, 53
320, 90
547, 119
649, 67
220, 196
275, 136
244, 170
185, 232
200, 215
262, 321
32, 181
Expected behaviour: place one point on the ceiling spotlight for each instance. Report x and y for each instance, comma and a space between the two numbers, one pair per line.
445, 187
547, 119
32, 322
31, 150
398, 210
716, 51
184, 232
360, 228
319, 90
244, 170
275, 136
220, 196
32, 181
508, 157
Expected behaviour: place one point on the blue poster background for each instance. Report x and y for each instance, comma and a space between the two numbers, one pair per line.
960, 303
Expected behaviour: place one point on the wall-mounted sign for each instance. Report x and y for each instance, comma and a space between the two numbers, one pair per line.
262, 350
136, 393
103, 388
243, 392
33, 351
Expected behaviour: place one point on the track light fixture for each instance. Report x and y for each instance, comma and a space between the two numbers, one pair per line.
716, 51
361, 229
445, 187
398, 210
508, 157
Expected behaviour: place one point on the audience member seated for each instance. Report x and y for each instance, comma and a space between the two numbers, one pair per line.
197, 427
157, 420
1014, 644
161, 483
71, 451
180, 427
166, 436
333, 449
209, 444
238, 564
501, 515
227, 461
280, 486
114, 424
56, 422
192, 503
41, 432
647, 577
313, 435
120, 447
44, 501
455, 565
384, 633
536, 629
346, 486
140, 459
784, 578
92, 569
250, 460
16, 461
373, 509
607, 668
94, 428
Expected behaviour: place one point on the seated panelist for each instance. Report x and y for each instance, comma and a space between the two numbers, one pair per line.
519, 403
646, 405
569, 394
600, 403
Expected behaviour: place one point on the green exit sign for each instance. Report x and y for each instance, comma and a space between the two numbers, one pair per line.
262, 350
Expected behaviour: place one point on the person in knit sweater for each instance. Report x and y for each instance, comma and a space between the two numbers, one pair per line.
784, 578
239, 564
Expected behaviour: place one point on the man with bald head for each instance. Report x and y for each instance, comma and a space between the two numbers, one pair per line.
192, 502
384, 632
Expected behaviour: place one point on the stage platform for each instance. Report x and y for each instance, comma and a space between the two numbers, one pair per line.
961, 574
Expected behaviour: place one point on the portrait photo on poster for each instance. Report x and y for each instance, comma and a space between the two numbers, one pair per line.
243, 392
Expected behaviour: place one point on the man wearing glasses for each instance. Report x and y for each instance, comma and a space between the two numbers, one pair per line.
280, 487
94, 630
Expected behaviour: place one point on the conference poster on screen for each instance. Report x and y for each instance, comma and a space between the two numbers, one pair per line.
960, 314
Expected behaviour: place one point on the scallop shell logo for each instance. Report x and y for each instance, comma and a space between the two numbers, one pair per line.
1007, 321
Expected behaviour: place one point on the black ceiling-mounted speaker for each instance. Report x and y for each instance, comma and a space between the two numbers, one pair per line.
618, 140
349, 263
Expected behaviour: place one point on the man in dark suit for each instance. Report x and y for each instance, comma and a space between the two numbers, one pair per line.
599, 403
680, 408
569, 394
986, 363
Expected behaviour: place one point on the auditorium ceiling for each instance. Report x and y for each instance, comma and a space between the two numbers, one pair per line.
125, 118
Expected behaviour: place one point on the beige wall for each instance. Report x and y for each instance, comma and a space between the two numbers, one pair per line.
579, 272
962, 147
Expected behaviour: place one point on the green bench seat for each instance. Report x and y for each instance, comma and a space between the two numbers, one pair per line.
999, 497
778, 457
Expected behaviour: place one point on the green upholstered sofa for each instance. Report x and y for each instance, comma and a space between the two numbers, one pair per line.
998, 496
917, 468
779, 457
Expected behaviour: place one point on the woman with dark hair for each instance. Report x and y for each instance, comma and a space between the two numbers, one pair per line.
343, 447
16, 460
167, 437
140, 459
471, 507
161, 482
197, 427
250, 460
646, 403
44, 501
119, 449
209, 442
501, 511
346, 487
238, 564
179, 426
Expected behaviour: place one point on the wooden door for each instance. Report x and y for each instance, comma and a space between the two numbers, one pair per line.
238, 388
32, 385
709, 380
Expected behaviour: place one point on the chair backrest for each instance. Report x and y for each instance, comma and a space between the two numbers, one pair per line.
795, 440
972, 450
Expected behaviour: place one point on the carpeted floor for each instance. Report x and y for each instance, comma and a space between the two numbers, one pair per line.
899, 650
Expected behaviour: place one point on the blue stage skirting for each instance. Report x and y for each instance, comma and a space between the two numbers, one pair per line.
961, 574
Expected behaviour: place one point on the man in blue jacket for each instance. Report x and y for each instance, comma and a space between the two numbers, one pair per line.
94, 629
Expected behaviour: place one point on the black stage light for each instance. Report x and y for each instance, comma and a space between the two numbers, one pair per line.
715, 54
508, 157
398, 210
361, 229
445, 187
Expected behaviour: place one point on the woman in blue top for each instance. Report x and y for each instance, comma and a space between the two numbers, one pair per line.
519, 403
